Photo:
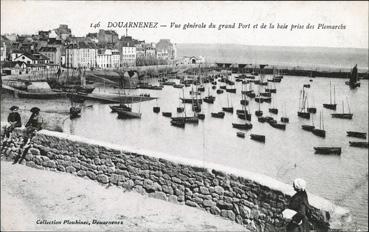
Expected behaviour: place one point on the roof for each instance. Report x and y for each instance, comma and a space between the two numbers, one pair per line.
35, 56
47, 49
11, 64
82, 45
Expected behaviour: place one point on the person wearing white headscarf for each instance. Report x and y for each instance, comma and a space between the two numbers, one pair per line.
299, 203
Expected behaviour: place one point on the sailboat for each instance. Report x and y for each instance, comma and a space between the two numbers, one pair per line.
331, 106
209, 99
356, 134
180, 109
124, 113
285, 119
311, 110
309, 127
320, 132
343, 115
259, 138
328, 150
228, 109
243, 126
273, 110
259, 112
115, 108
156, 109
302, 106
353, 81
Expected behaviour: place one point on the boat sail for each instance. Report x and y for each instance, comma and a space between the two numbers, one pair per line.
331, 106
343, 115
302, 105
354, 80
320, 132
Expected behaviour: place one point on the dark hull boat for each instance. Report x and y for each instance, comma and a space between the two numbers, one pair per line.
180, 109
311, 110
156, 109
273, 110
361, 135
353, 85
241, 134
305, 115
267, 99
209, 99
308, 127
319, 132
178, 123
342, 116
270, 90
242, 126
220, 91
262, 119
190, 100
328, 150
276, 125
228, 109
218, 115
201, 116
306, 85
244, 117
178, 86
285, 120
231, 90
359, 144
167, 114
223, 87
244, 102
75, 112
259, 138
266, 94
330, 106
259, 113
128, 114
214, 87
122, 107
193, 119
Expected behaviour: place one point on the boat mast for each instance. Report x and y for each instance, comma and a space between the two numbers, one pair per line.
330, 92
343, 107
348, 105
322, 121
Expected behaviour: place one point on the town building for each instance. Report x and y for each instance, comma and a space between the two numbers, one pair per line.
63, 32
191, 60
35, 58
107, 36
115, 58
3, 51
165, 50
53, 53
81, 54
128, 55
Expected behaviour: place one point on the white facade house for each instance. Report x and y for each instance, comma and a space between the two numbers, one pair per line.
103, 59
81, 55
3, 51
115, 58
128, 56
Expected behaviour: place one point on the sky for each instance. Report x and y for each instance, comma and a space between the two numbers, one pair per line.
28, 17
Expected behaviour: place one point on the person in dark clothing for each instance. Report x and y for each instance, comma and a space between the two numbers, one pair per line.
299, 203
14, 119
34, 123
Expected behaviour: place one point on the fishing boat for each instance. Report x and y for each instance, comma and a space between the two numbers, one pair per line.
209, 99
178, 86
302, 113
262, 119
343, 115
156, 109
167, 114
320, 132
358, 144
355, 134
223, 87
190, 100
277, 125
244, 102
265, 94
273, 109
74, 112
232, 90
331, 106
259, 138
328, 150
229, 108
219, 91
218, 115
240, 134
242, 126
309, 127
121, 106
354, 80
201, 116
178, 123
284, 118
312, 109
306, 86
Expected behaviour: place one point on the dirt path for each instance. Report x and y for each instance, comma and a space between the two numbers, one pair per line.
29, 195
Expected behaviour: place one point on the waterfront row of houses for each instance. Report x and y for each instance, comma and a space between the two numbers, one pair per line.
96, 50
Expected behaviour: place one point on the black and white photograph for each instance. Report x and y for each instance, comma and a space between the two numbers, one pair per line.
184, 116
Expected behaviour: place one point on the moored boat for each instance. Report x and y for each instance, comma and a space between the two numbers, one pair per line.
259, 138
220, 91
361, 135
178, 123
128, 114
156, 109
328, 150
167, 114
242, 126
358, 144
240, 134
115, 108
308, 127
218, 115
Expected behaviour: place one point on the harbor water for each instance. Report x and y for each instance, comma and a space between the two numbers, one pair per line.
286, 154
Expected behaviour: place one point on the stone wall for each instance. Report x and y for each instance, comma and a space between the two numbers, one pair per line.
253, 200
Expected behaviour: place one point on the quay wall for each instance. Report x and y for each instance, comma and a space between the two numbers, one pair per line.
253, 200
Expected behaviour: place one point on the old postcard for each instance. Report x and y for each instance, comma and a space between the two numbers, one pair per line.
184, 116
